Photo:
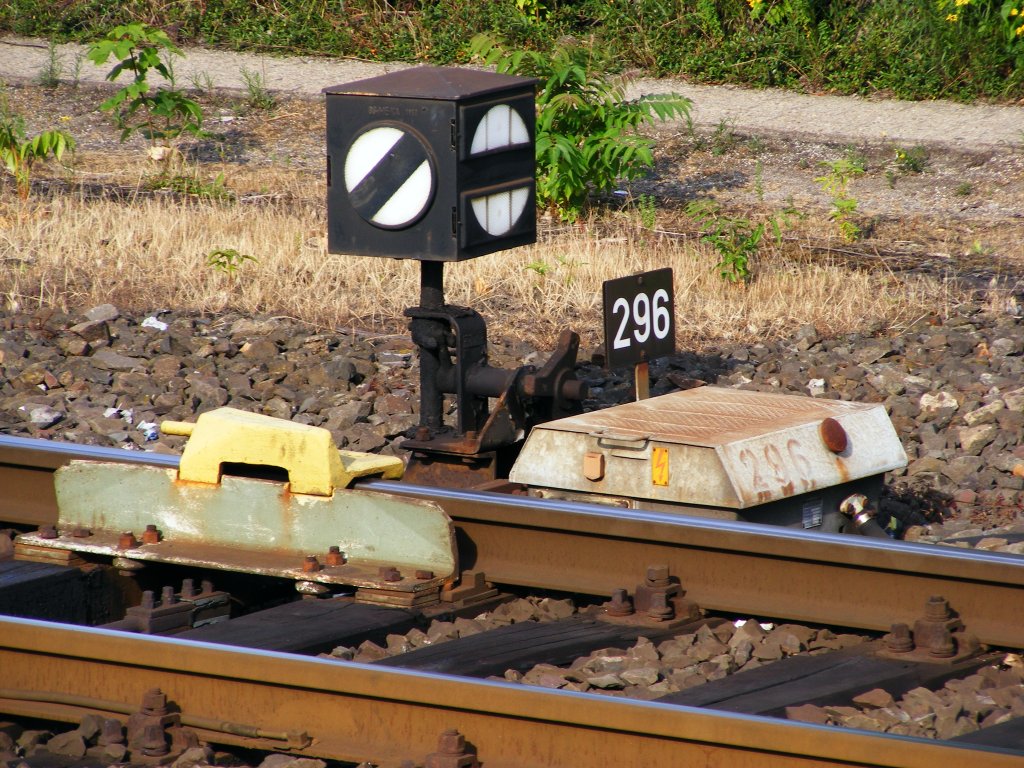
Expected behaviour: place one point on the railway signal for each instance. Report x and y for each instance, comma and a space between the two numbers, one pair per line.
431, 163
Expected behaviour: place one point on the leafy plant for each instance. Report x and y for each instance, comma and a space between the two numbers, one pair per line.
587, 133
913, 160
160, 115
836, 183
259, 97
18, 152
647, 207
191, 184
736, 239
227, 260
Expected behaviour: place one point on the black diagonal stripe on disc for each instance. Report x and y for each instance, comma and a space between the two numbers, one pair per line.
393, 170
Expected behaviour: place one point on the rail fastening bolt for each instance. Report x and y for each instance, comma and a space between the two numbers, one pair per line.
111, 732
661, 609
899, 640
943, 646
451, 742
47, 532
620, 604
389, 573
147, 600
657, 576
154, 702
81, 532
424, 575
310, 564
188, 590
937, 608
127, 540
167, 596
154, 741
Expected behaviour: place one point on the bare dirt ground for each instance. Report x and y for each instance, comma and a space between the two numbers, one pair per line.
953, 205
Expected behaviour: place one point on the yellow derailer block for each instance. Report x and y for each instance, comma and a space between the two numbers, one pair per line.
309, 455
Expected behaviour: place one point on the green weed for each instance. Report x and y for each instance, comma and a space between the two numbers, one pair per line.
258, 96
19, 152
836, 183
736, 239
228, 260
587, 133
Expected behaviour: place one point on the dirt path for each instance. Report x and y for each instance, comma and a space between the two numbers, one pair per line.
835, 118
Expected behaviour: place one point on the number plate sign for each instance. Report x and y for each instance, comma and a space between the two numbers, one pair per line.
639, 318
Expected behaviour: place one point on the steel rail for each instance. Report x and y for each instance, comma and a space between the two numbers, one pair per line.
723, 565
361, 712
732, 567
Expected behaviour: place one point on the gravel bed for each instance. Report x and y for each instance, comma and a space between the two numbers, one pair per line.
992, 696
954, 388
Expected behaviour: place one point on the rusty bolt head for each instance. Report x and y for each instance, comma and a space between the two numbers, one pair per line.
154, 702
310, 564
127, 540
423, 434
167, 596
942, 646
206, 586
147, 600
937, 608
389, 573
151, 535
657, 576
188, 590
660, 608
899, 640
451, 742
620, 604
154, 741
81, 532
47, 532
424, 575
111, 732
335, 556
833, 435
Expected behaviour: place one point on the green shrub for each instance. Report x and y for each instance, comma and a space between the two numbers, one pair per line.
587, 139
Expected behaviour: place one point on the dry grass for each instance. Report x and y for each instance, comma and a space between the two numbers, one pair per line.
144, 252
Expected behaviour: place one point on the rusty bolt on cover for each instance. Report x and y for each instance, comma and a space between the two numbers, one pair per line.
81, 532
898, 640
620, 604
310, 564
151, 535
47, 532
206, 586
424, 575
389, 573
127, 540
167, 596
188, 589
335, 557
147, 600
661, 609
451, 752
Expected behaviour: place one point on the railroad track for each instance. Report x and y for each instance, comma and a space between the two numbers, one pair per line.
385, 713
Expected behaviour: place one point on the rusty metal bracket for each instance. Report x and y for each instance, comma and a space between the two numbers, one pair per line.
659, 602
939, 636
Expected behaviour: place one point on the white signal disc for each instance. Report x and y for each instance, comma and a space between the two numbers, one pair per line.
501, 126
499, 212
389, 177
